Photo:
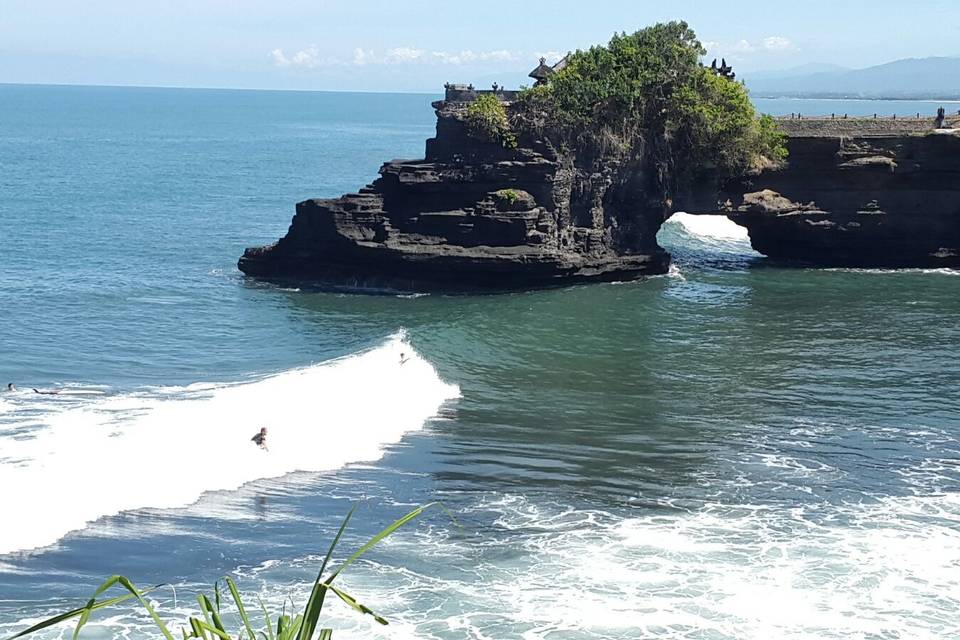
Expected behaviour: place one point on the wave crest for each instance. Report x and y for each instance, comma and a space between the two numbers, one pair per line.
74, 463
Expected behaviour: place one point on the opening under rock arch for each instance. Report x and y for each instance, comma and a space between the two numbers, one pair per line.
709, 240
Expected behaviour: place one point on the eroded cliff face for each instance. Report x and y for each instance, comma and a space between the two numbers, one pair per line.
475, 216
879, 199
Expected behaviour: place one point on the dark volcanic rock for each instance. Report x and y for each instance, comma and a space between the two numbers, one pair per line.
475, 216
871, 201
472, 216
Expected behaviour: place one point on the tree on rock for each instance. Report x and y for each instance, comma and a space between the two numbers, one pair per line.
646, 95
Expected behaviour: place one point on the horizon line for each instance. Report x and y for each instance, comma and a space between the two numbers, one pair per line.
197, 88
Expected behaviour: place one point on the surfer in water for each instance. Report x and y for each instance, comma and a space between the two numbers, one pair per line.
10, 387
403, 358
261, 439
49, 392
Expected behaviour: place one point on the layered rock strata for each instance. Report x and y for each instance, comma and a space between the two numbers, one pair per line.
475, 216
875, 199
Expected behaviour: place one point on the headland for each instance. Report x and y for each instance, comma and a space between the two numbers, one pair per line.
482, 215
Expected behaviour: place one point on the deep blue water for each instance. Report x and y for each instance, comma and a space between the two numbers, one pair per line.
731, 451
120, 205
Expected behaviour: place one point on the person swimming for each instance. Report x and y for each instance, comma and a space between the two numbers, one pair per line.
11, 387
261, 439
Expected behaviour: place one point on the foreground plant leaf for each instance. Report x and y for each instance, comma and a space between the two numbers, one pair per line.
63, 617
301, 627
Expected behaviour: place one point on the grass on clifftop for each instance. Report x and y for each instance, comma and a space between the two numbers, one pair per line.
209, 624
648, 93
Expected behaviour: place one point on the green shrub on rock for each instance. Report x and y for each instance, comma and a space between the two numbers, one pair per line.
487, 120
770, 140
647, 96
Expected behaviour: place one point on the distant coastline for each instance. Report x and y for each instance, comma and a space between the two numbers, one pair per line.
935, 78
920, 97
754, 93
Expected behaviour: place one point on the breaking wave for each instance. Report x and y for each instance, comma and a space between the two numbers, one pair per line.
73, 460
705, 239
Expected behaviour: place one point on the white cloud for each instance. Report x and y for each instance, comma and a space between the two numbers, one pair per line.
500, 55
468, 56
552, 56
308, 58
363, 56
745, 48
397, 55
778, 43
452, 58
403, 54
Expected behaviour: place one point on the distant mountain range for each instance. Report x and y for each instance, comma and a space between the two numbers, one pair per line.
912, 78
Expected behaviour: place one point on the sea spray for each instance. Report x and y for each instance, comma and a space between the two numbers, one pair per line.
78, 461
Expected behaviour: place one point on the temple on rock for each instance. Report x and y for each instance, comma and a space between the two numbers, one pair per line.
724, 70
543, 72
474, 214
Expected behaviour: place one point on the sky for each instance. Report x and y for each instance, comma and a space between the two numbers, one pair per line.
417, 45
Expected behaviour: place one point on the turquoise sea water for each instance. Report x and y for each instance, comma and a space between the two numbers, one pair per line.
731, 451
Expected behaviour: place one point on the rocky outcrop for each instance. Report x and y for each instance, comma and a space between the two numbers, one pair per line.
884, 199
474, 216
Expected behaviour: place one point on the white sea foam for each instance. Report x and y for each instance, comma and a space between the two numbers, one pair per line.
943, 271
713, 235
886, 569
536, 570
88, 458
674, 272
710, 226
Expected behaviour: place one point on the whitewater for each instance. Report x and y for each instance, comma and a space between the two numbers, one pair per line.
733, 451
72, 461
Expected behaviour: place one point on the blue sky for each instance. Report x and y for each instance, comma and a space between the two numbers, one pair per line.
417, 45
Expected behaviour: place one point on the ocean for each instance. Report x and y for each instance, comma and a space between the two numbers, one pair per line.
733, 450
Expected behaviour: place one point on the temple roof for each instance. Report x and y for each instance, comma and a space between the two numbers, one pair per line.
542, 72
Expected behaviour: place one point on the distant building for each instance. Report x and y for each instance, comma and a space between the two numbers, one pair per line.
466, 93
724, 70
544, 72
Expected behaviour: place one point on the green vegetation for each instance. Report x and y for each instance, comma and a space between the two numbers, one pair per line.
487, 120
770, 141
209, 625
647, 95
510, 195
